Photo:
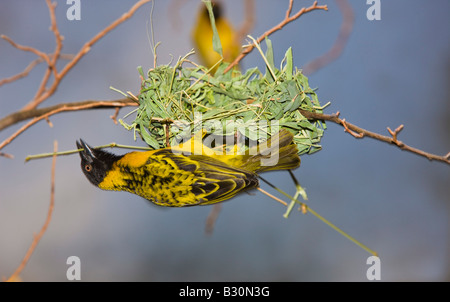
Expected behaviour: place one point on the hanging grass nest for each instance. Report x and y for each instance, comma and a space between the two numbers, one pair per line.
177, 101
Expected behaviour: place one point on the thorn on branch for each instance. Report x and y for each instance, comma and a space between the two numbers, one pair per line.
114, 116
353, 133
447, 157
394, 135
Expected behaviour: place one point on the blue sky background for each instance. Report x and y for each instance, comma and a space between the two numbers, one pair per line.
393, 71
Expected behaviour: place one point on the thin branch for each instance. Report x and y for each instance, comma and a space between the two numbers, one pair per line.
38, 237
20, 116
341, 41
114, 116
44, 93
44, 113
55, 56
22, 74
58, 37
28, 69
40, 54
286, 20
360, 132
87, 47
395, 133
272, 196
353, 133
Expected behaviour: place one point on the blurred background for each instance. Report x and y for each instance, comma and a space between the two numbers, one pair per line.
392, 71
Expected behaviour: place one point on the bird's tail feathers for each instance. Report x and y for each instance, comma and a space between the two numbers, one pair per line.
277, 153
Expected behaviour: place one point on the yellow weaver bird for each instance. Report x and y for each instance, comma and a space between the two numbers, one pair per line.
202, 35
168, 177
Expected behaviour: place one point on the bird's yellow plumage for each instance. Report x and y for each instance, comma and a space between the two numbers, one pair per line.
203, 36
181, 176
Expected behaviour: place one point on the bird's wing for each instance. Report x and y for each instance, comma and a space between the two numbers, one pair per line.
221, 181
215, 181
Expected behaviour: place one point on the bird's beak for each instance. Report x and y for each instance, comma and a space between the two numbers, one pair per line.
87, 153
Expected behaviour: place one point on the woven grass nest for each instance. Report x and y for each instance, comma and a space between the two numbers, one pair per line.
175, 102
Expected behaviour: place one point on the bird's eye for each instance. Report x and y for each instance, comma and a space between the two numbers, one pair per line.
88, 168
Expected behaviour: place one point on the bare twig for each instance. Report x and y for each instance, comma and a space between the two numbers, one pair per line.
394, 134
114, 116
346, 129
22, 74
40, 54
87, 46
38, 237
44, 113
30, 67
447, 156
55, 56
360, 132
272, 196
20, 116
44, 93
288, 18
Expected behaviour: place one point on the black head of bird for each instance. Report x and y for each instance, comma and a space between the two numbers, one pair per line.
95, 163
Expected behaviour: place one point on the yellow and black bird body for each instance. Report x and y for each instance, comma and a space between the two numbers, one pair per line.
177, 177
